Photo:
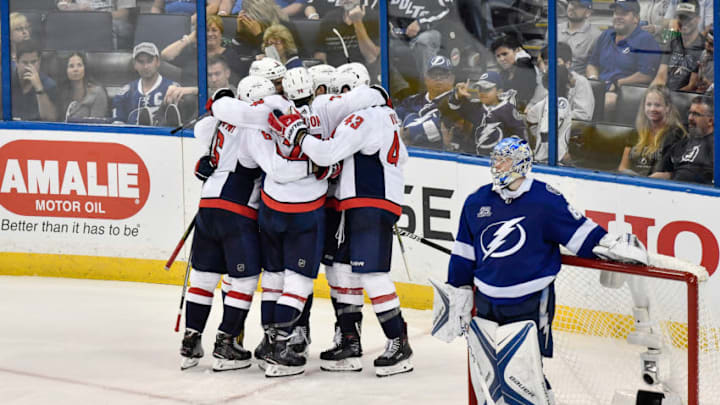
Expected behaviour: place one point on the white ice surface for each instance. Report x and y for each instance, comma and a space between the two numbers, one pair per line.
65, 341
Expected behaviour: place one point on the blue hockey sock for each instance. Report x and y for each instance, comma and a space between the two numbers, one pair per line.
233, 322
392, 323
285, 318
196, 316
349, 316
305, 316
267, 312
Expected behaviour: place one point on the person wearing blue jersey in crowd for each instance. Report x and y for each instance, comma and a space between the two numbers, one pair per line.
623, 54
140, 101
508, 248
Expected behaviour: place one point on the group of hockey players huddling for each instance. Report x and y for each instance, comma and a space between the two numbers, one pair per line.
297, 173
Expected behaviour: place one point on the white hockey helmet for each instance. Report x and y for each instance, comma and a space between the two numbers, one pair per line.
253, 88
322, 75
510, 160
268, 68
298, 83
351, 75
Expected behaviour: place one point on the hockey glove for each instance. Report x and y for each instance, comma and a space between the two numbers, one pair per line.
219, 93
384, 94
291, 126
452, 310
204, 168
624, 248
330, 173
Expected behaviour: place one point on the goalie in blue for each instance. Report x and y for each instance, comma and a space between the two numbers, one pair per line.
508, 247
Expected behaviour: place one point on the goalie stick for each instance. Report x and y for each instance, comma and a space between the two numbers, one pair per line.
422, 240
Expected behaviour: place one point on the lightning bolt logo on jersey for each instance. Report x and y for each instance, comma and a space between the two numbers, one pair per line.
512, 249
508, 235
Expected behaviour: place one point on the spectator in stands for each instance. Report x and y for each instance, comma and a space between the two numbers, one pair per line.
179, 6
254, 18
279, 44
691, 159
580, 94
537, 118
291, 8
706, 68
123, 29
624, 54
658, 129
488, 108
679, 67
141, 101
655, 16
218, 74
415, 25
579, 33
80, 97
183, 52
518, 72
33, 93
20, 31
420, 114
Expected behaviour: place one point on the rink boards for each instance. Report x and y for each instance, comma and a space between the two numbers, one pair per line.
113, 206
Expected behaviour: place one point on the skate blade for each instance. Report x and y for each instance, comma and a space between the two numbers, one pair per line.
399, 368
225, 365
349, 364
189, 362
277, 370
262, 364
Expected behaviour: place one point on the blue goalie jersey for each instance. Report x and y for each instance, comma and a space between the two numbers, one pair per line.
512, 250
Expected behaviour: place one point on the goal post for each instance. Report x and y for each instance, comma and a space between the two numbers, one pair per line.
592, 358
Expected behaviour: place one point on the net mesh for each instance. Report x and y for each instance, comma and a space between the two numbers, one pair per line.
592, 359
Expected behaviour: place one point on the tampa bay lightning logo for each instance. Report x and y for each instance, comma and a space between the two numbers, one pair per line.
502, 239
487, 136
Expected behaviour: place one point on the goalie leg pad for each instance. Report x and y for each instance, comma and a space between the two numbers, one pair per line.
483, 361
452, 308
349, 286
520, 364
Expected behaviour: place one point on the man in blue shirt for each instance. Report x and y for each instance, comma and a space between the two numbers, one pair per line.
624, 54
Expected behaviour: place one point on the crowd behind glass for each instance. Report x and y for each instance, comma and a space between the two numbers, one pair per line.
634, 78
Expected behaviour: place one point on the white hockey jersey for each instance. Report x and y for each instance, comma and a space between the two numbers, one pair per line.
373, 155
288, 185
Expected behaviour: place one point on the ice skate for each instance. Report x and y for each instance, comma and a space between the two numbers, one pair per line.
229, 353
396, 358
284, 361
264, 349
191, 350
345, 355
300, 340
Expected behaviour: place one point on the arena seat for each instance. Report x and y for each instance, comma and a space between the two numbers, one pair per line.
628, 104
161, 29
79, 31
598, 146
306, 33
40, 5
36, 19
598, 89
682, 101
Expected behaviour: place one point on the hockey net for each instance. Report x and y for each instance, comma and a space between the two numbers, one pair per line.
592, 359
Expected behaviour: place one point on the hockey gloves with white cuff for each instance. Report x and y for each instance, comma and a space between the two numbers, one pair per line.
219, 93
452, 310
204, 168
327, 172
385, 95
624, 248
290, 127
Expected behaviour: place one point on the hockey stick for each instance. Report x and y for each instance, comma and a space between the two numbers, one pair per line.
402, 251
184, 290
189, 123
180, 244
422, 240
342, 41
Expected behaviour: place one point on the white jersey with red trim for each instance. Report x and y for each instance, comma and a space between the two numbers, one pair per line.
242, 155
373, 155
288, 185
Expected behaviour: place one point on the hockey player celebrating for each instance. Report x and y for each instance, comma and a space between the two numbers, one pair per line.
507, 246
226, 236
370, 196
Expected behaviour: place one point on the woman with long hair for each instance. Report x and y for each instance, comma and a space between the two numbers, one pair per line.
281, 39
183, 52
80, 97
658, 127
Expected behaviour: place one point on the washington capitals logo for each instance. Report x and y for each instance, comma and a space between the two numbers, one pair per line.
507, 238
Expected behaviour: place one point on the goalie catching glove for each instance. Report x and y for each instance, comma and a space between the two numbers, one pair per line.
624, 248
290, 127
452, 310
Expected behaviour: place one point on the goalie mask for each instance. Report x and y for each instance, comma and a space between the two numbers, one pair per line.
253, 88
322, 75
350, 76
510, 160
268, 68
298, 84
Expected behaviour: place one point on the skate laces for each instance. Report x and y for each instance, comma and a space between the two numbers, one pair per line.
299, 336
391, 347
337, 339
